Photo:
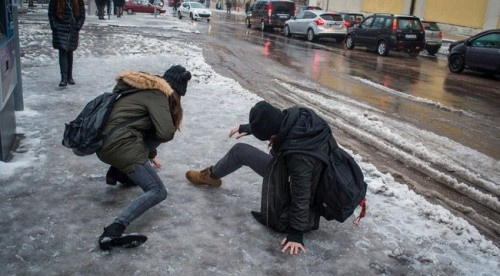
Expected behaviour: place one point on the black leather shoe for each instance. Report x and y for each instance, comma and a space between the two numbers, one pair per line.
114, 175
71, 81
63, 83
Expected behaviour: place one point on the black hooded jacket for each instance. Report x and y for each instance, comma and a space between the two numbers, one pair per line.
289, 190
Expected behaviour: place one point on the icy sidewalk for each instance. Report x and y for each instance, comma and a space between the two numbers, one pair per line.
54, 204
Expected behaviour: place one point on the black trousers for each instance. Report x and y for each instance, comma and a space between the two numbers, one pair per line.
66, 64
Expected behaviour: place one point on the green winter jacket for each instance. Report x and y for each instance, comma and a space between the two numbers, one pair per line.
136, 142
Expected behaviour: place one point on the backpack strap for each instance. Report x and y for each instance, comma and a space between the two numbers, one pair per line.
129, 121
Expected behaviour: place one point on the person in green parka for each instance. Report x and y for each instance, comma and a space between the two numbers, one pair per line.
145, 118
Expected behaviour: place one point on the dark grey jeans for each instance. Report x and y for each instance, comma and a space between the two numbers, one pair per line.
154, 192
243, 155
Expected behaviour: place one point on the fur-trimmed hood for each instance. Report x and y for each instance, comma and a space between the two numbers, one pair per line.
142, 80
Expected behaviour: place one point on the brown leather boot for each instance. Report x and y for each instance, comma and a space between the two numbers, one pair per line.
203, 177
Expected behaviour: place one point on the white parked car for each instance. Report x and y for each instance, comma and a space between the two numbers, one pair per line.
194, 10
315, 24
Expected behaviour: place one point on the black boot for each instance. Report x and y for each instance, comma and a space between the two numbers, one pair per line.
113, 231
114, 175
64, 80
70, 68
63, 64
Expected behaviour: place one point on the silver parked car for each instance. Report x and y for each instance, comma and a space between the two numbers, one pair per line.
433, 37
315, 24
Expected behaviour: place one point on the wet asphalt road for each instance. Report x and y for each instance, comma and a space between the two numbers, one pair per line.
464, 108
419, 91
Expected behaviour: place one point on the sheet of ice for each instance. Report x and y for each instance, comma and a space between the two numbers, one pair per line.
54, 204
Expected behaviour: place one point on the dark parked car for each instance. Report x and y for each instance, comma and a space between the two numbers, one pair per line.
480, 52
384, 32
351, 18
270, 14
433, 37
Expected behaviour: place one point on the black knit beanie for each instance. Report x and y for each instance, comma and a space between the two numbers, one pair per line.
265, 120
178, 77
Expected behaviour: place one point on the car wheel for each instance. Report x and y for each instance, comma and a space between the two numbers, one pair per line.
248, 23
349, 42
310, 35
287, 31
382, 48
456, 63
179, 15
263, 25
130, 11
191, 16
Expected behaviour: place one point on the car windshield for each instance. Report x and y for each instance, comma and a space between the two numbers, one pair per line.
283, 6
431, 26
409, 23
197, 6
331, 17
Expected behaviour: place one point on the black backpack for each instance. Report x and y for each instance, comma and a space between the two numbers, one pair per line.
342, 187
84, 134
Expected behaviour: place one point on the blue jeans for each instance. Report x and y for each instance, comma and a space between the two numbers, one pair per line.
154, 192
243, 155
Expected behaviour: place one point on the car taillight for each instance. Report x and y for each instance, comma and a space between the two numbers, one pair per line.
394, 24
440, 34
270, 9
347, 24
319, 21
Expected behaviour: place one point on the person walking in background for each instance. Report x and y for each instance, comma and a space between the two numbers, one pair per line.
228, 6
137, 125
176, 3
100, 8
247, 6
118, 4
66, 18
291, 171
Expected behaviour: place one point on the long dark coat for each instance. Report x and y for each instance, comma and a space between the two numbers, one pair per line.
65, 30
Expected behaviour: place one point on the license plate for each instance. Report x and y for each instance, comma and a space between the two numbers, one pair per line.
285, 16
411, 36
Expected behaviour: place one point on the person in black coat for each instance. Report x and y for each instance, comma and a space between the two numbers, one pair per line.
66, 18
291, 172
118, 4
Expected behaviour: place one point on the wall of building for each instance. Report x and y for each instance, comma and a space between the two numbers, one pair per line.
458, 12
383, 6
492, 20
341, 5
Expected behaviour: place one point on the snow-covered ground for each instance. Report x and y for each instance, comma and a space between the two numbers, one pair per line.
54, 204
